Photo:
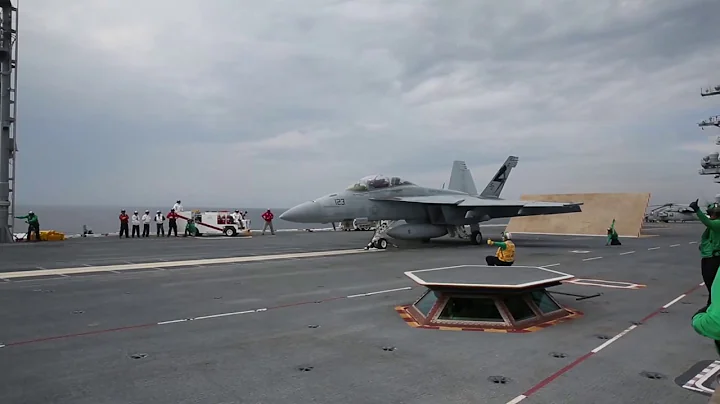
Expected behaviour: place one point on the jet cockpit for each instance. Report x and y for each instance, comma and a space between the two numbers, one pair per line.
373, 182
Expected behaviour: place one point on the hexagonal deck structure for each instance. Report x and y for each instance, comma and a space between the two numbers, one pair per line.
486, 298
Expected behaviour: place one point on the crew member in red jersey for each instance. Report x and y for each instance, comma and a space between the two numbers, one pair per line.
124, 223
268, 218
172, 222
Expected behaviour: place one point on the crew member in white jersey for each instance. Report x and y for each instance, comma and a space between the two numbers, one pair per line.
146, 219
135, 219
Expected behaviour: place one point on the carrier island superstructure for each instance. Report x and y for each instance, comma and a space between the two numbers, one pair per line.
711, 163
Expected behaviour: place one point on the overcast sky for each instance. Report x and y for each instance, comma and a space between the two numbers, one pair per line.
271, 103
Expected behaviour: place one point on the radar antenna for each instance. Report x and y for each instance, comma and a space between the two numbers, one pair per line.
710, 91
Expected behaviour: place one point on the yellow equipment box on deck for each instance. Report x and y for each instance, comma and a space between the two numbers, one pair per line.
49, 235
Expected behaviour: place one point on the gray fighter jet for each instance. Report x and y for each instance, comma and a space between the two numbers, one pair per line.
427, 212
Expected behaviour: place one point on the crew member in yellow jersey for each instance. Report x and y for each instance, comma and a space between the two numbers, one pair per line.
505, 255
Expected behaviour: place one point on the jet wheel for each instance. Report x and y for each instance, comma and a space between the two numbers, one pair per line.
381, 244
476, 237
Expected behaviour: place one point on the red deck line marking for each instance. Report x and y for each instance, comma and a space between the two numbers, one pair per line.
131, 327
534, 389
80, 334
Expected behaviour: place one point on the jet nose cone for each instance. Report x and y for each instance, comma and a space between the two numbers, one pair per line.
307, 212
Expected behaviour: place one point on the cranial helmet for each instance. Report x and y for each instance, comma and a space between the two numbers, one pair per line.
507, 236
713, 209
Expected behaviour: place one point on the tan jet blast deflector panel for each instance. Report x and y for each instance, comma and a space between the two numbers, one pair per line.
598, 212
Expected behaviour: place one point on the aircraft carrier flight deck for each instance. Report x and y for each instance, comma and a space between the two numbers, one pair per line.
149, 321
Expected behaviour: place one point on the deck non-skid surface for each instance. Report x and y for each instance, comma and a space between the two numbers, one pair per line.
29, 256
325, 330
487, 276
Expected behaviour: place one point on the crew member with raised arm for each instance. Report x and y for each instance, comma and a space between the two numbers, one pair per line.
709, 244
124, 223
612, 236
505, 254
33, 225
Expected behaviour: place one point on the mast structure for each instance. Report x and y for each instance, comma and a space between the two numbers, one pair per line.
8, 111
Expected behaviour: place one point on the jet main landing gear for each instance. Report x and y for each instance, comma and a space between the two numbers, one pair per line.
475, 234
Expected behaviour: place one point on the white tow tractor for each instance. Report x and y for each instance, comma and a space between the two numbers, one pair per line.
214, 223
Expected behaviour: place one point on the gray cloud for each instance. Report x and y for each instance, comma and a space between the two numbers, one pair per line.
285, 101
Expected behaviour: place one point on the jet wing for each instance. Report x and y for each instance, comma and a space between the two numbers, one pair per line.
468, 201
455, 200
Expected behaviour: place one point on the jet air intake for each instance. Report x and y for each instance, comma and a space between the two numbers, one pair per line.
416, 231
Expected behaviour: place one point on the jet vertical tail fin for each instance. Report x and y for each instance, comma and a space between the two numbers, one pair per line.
461, 179
496, 185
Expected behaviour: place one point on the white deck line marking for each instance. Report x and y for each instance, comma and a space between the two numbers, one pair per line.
603, 283
693, 242
173, 321
378, 292
2, 346
521, 397
170, 264
236, 313
549, 265
703, 379
613, 339
517, 399
591, 259
627, 252
653, 248
673, 301
674, 245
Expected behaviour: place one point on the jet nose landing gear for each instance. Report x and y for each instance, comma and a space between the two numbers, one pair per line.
378, 240
380, 244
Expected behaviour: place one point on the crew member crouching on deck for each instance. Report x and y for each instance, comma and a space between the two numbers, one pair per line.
190, 229
505, 254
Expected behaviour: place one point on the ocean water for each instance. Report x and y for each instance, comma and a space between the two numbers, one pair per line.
104, 219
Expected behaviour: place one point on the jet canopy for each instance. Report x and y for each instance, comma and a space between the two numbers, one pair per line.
372, 182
